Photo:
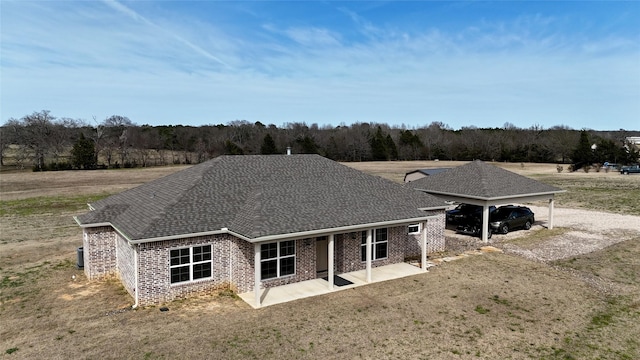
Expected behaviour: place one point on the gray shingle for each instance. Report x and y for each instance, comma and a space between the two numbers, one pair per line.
259, 195
481, 180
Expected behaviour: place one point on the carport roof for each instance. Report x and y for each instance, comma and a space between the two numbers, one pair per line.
482, 181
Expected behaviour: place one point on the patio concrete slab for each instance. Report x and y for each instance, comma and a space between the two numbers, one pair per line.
315, 287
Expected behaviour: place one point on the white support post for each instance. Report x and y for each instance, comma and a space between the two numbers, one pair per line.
330, 261
368, 254
550, 214
256, 285
485, 223
423, 261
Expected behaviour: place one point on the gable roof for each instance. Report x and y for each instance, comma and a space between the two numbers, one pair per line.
482, 181
257, 196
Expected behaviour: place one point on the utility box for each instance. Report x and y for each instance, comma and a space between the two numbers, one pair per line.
80, 263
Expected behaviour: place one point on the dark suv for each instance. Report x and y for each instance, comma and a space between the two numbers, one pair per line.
510, 217
465, 213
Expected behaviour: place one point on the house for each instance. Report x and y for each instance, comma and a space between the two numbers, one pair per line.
420, 173
486, 185
255, 222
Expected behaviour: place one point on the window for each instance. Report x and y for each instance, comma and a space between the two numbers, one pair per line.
277, 259
414, 228
189, 264
379, 244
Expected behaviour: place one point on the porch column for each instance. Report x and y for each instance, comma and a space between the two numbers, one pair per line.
257, 271
423, 261
485, 223
368, 254
550, 214
330, 261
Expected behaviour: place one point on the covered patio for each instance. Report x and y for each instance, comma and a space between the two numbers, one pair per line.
309, 288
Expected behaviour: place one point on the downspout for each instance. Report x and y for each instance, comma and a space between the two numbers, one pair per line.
135, 266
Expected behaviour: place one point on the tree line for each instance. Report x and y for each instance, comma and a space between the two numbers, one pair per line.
45, 142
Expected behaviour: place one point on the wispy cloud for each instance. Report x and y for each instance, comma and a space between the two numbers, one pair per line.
137, 17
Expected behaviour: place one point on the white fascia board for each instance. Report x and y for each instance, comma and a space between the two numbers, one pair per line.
481, 198
341, 229
296, 235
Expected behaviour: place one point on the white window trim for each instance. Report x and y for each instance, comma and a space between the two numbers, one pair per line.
374, 242
414, 232
278, 258
191, 264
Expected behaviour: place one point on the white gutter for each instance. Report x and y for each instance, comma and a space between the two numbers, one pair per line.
135, 267
491, 198
301, 234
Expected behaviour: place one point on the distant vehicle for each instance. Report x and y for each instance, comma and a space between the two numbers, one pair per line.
464, 212
510, 217
633, 169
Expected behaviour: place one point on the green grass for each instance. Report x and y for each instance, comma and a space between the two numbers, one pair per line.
47, 204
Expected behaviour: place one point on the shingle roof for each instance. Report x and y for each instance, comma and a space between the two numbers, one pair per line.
481, 180
256, 196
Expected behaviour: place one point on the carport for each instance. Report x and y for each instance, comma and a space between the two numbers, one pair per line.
483, 184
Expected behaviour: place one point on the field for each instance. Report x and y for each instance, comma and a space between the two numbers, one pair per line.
497, 305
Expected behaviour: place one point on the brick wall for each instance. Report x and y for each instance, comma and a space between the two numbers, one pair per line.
154, 282
106, 253
435, 236
99, 252
350, 246
125, 261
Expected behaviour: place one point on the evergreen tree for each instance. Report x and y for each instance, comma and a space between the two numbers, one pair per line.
230, 148
582, 154
379, 149
392, 150
83, 153
308, 145
268, 146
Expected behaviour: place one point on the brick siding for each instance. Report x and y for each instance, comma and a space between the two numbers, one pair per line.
125, 261
107, 253
99, 252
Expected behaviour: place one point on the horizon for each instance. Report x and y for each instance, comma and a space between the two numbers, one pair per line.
409, 63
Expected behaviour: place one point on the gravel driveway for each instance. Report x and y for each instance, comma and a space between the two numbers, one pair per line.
588, 231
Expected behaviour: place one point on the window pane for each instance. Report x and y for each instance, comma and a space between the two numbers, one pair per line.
269, 269
179, 256
363, 237
269, 251
363, 253
414, 228
201, 271
287, 266
287, 248
381, 234
381, 250
202, 253
179, 274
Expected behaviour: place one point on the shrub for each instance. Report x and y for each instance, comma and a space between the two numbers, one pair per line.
559, 168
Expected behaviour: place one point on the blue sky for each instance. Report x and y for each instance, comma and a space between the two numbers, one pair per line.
475, 63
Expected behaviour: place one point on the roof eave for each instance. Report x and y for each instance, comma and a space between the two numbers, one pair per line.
295, 235
338, 230
494, 198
